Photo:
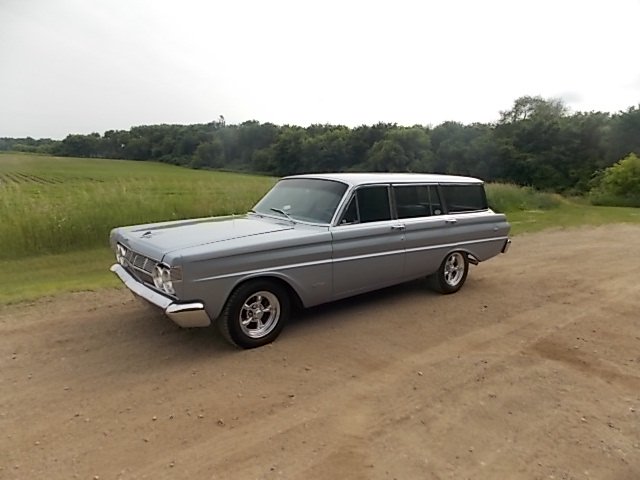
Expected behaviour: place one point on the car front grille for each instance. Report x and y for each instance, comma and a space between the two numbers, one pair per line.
140, 266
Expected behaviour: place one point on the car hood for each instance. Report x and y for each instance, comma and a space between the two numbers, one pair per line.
158, 239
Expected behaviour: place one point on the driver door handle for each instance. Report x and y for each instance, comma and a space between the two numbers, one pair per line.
397, 227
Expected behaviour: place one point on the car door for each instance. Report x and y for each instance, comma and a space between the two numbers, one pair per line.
429, 232
368, 243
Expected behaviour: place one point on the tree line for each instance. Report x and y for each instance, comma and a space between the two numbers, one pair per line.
538, 142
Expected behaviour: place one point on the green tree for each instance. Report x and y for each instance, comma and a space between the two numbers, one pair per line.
528, 137
359, 142
209, 154
529, 107
623, 135
387, 156
81, 145
288, 151
326, 151
252, 137
401, 150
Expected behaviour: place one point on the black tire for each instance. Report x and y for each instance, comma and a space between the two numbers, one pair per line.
452, 273
255, 313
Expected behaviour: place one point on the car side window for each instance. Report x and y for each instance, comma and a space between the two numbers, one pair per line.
412, 201
464, 198
373, 204
417, 201
350, 215
369, 204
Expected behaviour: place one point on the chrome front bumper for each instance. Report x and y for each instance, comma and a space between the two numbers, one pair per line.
191, 314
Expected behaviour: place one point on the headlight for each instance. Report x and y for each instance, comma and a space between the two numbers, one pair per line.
121, 254
167, 284
157, 277
163, 278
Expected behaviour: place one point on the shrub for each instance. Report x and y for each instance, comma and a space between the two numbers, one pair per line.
618, 185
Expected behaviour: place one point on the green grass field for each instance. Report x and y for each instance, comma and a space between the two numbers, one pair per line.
56, 205
56, 214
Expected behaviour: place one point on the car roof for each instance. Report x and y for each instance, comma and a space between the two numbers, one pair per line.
356, 179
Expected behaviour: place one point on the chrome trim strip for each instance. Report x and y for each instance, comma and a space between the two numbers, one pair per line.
345, 259
370, 255
264, 270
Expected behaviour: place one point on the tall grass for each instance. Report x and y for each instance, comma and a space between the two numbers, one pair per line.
53, 205
606, 199
505, 197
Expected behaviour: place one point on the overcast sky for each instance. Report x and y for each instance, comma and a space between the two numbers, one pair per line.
78, 66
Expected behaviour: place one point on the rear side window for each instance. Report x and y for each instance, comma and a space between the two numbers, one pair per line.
464, 198
417, 201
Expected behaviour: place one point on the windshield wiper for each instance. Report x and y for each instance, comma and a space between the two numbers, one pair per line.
282, 212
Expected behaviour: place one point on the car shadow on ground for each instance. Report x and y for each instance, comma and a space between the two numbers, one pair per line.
333, 316
150, 326
328, 311
164, 343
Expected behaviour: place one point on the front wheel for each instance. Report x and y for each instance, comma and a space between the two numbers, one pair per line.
452, 273
255, 314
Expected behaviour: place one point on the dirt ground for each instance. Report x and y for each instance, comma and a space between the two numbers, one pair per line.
531, 371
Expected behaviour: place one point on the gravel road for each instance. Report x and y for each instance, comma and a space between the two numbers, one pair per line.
531, 371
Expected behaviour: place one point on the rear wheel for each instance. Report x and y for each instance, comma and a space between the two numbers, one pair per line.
255, 313
452, 273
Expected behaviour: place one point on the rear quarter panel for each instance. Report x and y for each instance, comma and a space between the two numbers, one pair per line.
429, 239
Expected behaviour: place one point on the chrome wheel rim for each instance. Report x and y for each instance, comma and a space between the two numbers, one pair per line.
259, 314
454, 269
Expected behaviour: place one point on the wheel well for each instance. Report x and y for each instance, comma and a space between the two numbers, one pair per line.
471, 258
296, 302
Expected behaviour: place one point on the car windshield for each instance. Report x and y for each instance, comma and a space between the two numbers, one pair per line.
304, 199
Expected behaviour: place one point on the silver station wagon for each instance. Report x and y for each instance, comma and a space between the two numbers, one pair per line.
311, 239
